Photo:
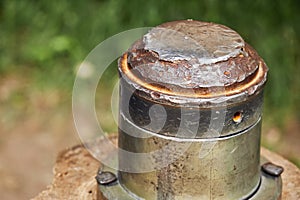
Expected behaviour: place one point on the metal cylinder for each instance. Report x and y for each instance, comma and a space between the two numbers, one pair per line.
191, 97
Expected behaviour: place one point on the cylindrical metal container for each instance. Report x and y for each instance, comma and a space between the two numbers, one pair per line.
191, 97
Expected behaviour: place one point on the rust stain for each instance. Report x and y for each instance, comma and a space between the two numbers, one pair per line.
216, 66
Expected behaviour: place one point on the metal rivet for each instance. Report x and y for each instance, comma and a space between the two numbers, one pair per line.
105, 178
272, 169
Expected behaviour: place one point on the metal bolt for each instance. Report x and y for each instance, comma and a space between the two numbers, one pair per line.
272, 169
105, 178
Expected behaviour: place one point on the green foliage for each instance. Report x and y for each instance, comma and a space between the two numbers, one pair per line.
48, 39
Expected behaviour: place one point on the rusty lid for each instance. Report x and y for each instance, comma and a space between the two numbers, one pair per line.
193, 61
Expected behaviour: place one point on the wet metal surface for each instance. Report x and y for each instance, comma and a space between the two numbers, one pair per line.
197, 42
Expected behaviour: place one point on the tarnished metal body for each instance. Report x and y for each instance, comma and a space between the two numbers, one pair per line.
229, 171
269, 188
191, 96
229, 168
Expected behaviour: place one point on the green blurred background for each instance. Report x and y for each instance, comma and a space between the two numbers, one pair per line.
42, 43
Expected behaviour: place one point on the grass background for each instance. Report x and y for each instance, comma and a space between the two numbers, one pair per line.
43, 42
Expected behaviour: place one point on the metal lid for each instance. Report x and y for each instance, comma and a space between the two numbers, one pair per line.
193, 61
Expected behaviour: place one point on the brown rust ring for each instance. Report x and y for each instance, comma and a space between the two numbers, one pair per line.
237, 88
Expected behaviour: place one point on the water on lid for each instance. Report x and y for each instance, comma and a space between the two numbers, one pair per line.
198, 42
